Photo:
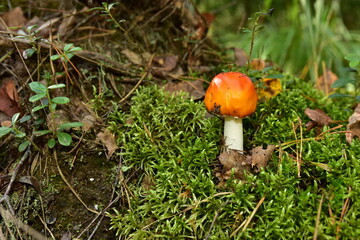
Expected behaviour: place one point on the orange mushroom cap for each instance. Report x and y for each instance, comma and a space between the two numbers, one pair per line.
232, 94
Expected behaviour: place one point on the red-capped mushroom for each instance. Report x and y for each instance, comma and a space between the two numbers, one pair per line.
233, 96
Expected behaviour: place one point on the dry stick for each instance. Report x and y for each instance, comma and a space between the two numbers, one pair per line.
319, 137
7, 216
46, 227
139, 82
16, 46
102, 217
71, 188
89, 56
215, 218
317, 222
343, 212
2, 236
253, 213
248, 220
5, 197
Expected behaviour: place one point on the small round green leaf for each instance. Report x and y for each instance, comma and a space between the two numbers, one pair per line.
54, 57
4, 131
37, 97
61, 85
70, 125
60, 100
14, 118
51, 143
23, 145
64, 139
41, 132
37, 87
25, 118
68, 46
37, 108
20, 134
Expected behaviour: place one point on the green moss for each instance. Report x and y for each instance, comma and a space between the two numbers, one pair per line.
169, 148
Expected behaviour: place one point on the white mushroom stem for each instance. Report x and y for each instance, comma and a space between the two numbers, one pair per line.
233, 133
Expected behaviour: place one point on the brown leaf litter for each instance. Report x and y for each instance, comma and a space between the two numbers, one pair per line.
318, 119
237, 164
354, 125
8, 99
108, 139
194, 88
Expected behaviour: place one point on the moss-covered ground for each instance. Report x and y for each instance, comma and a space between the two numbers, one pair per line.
170, 148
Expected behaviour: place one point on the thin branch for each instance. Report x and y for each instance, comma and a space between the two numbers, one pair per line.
7, 216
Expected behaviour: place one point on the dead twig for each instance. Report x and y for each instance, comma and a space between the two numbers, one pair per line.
14, 174
9, 217
140, 80
248, 220
214, 220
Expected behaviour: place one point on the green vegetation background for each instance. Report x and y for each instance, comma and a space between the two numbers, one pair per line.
172, 147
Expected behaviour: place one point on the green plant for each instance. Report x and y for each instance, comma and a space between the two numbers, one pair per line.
67, 54
253, 30
31, 32
354, 64
17, 131
169, 151
106, 11
42, 94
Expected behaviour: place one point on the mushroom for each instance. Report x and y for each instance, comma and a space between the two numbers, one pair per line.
232, 95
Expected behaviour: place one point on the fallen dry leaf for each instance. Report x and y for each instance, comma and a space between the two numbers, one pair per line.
165, 62
257, 64
6, 123
13, 18
325, 81
234, 162
318, 119
271, 87
166, 65
354, 125
260, 157
108, 139
66, 24
9, 98
194, 88
132, 56
32, 181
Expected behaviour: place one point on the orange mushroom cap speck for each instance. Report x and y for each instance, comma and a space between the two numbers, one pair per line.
232, 94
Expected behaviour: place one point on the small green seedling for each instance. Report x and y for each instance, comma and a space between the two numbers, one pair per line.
257, 26
47, 102
31, 32
69, 52
17, 131
354, 64
106, 11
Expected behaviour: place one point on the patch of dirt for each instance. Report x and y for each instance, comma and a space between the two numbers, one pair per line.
92, 178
